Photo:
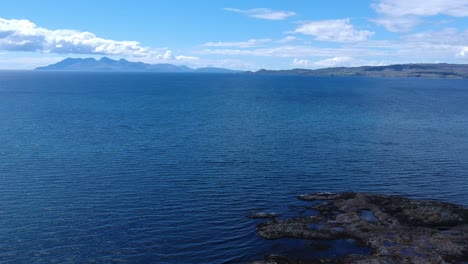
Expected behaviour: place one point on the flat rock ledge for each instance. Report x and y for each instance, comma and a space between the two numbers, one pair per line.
397, 229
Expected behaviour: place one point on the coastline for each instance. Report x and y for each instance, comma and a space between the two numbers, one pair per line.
393, 229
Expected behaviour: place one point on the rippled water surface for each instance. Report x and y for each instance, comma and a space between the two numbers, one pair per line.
164, 168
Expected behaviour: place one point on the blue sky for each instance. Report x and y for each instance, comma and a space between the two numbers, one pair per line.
241, 34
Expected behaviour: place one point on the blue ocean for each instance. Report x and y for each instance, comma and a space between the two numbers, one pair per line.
165, 168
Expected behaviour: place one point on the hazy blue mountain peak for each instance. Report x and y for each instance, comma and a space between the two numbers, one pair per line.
108, 64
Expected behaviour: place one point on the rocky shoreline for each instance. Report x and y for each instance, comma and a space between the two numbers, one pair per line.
396, 229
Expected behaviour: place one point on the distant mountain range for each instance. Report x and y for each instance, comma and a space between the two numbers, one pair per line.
421, 70
418, 70
106, 64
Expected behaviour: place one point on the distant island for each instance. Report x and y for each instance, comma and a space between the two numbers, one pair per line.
122, 65
417, 70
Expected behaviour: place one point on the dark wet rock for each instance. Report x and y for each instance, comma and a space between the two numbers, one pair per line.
397, 229
421, 213
263, 215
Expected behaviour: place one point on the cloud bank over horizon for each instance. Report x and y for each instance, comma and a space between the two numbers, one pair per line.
24, 35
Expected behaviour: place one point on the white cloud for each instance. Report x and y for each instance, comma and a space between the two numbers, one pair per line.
301, 63
342, 61
404, 15
287, 39
295, 51
463, 52
333, 62
447, 36
399, 8
446, 45
241, 44
24, 35
166, 56
263, 13
186, 58
398, 24
336, 30
301, 51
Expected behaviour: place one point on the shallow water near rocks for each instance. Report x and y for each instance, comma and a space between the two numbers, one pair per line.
308, 250
164, 168
368, 216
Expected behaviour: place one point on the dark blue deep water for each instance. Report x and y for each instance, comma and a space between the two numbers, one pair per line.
164, 168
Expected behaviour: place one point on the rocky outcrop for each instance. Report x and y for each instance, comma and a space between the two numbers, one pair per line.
263, 215
397, 229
